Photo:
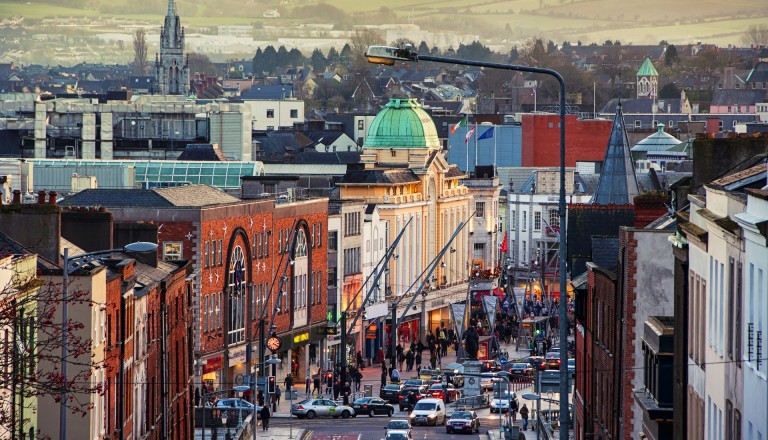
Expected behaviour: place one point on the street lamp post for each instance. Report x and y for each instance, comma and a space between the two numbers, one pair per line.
388, 56
70, 265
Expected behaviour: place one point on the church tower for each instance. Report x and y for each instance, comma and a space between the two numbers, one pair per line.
171, 71
647, 80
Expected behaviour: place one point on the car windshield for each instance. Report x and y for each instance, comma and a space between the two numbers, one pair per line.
518, 366
392, 387
503, 395
424, 406
362, 401
553, 355
413, 382
398, 424
572, 362
438, 387
461, 415
304, 402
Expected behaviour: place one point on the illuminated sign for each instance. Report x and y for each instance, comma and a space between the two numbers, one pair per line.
303, 337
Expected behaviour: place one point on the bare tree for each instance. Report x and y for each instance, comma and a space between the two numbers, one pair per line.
140, 65
31, 342
359, 44
756, 35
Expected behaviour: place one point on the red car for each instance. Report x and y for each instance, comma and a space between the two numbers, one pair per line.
448, 394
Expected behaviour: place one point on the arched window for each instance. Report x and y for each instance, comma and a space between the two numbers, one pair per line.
237, 286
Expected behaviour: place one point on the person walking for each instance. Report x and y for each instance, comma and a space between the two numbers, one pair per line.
308, 384
265, 417
383, 375
288, 382
395, 375
316, 385
524, 416
197, 396
278, 393
513, 407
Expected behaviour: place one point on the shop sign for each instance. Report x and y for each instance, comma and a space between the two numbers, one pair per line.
301, 337
237, 355
212, 364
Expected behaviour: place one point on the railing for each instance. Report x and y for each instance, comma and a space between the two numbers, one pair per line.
473, 402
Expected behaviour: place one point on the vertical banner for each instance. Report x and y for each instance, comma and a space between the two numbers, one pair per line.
489, 303
458, 311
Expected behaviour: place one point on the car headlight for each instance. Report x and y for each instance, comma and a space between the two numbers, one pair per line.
431, 416
413, 416
493, 404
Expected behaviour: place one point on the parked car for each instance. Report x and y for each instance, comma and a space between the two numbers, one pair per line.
523, 369
391, 392
428, 412
553, 360
372, 406
572, 367
501, 401
448, 393
235, 406
419, 393
399, 425
397, 434
463, 421
311, 408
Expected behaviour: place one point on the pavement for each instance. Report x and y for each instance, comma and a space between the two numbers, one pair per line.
372, 377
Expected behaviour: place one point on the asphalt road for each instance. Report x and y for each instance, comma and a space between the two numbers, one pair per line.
373, 428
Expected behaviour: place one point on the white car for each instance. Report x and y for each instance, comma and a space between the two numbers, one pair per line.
311, 408
501, 401
428, 412
398, 434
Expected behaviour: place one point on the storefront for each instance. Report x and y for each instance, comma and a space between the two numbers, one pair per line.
237, 372
212, 369
302, 352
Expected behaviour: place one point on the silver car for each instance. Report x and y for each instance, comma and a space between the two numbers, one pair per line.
311, 408
501, 401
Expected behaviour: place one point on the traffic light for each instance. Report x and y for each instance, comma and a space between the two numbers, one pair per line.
271, 384
538, 332
330, 376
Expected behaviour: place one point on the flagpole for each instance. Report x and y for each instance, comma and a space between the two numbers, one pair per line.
494, 154
466, 146
475, 136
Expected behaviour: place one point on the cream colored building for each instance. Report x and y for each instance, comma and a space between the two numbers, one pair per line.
405, 175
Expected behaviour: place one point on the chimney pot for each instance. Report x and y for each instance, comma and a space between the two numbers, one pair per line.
92, 209
17, 197
52, 197
102, 209
41, 197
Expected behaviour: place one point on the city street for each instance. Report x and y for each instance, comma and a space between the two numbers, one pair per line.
284, 427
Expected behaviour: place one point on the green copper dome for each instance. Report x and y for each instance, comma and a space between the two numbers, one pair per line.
647, 69
402, 123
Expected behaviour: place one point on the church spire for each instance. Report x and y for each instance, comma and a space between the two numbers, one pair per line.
617, 184
171, 9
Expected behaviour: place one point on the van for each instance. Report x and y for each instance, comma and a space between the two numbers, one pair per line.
428, 412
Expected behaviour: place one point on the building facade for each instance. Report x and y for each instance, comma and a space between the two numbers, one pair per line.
171, 69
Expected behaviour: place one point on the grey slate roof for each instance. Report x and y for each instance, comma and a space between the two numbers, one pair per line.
391, 177
760, 72
737, 96
180, 196
617, 184
268, 92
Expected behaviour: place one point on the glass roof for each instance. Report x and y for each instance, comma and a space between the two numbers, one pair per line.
162, 173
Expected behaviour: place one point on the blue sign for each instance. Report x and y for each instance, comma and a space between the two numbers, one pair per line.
503, 361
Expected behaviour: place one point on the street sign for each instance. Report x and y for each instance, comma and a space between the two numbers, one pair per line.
503, 361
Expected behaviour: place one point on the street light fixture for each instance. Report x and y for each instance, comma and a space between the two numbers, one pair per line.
71, 264
388, 56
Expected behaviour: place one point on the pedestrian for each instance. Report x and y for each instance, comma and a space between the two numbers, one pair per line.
288, 382
395, 375
336, 390
409, 359
197, 396
417, 361
308, 384
513, 406
265, 418
524, 416
433, 359
400, 359
383, 374
360, 362
358, 378
278, 393
260, 398
316, 385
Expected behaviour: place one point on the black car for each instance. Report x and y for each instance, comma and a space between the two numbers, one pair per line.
463, 421
404, 402
372, 406
391, 392
490, 366
416, 382
538, 362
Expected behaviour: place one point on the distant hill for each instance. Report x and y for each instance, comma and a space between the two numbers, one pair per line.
503, 22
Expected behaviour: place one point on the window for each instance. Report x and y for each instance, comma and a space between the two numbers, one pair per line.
479, 251
259, 245
360, 124
206, 257
319, 235
480, 209
351, 261
638, 123
205, 314
221, 253
525, 220
332, 275
554, 219
300, 250
213, 253
237, 277
266, 243
537, 221
172, 250
294, 113
738, 318
513, 220
731, 307
280, 241
270, 113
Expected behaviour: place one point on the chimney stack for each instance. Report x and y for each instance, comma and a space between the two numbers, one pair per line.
41, 197
17, 197
52, 197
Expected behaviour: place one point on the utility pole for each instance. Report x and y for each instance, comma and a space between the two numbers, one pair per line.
344, 353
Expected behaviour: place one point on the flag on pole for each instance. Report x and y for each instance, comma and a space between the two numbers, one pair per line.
487, 135
504, 246
470, 133
456, 126
533, 90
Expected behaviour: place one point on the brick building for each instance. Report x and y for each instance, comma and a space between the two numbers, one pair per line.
244, 252
585, 140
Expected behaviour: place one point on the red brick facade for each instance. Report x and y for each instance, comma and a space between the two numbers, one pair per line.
628, 242
585, 140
